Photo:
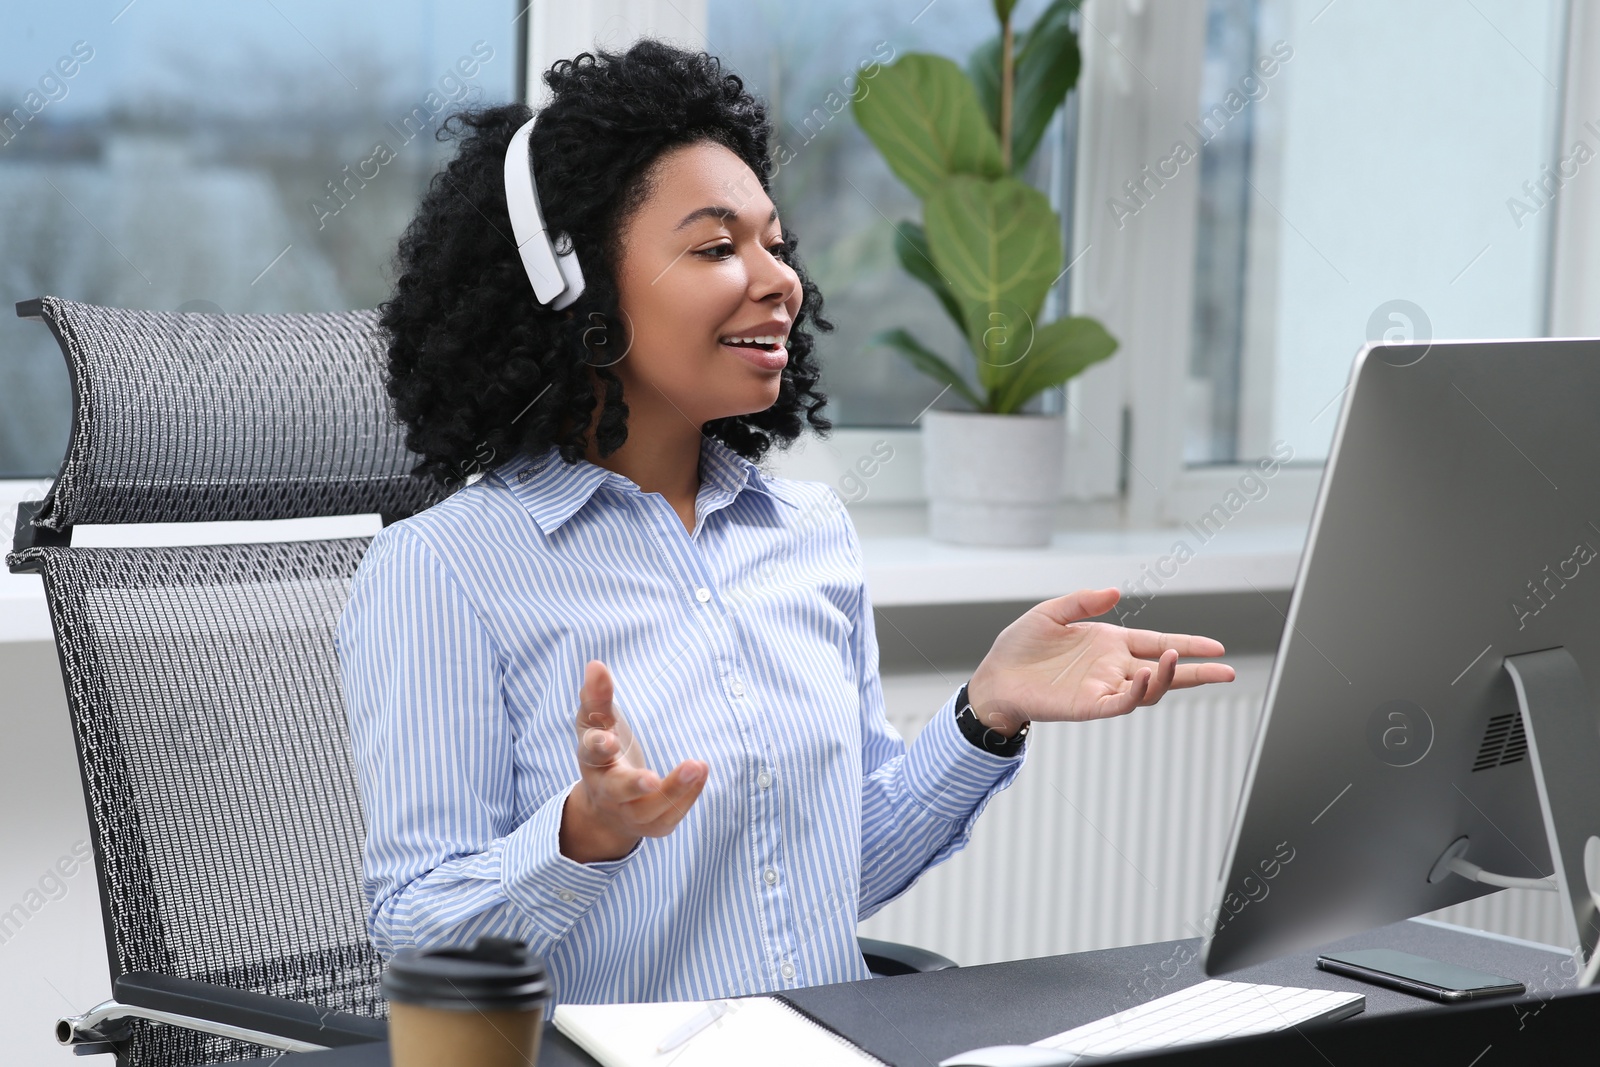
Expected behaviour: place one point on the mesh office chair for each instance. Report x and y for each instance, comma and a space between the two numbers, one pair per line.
202, 682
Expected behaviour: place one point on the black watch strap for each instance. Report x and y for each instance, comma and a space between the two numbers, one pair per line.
974, 730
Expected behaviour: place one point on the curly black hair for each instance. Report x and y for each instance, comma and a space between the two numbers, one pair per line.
470, 346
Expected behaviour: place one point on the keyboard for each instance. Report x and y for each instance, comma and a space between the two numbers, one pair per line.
1209, 1011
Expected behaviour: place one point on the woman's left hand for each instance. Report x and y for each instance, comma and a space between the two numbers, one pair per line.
1051, 665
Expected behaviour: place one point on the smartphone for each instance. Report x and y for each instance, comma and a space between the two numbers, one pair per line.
1417, 974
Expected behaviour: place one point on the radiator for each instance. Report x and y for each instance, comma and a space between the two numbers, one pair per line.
1113, 834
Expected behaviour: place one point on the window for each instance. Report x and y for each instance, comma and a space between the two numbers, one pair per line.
1265, 184
1366, 170
260, 157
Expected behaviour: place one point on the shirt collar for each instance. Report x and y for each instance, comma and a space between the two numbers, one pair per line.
553, 490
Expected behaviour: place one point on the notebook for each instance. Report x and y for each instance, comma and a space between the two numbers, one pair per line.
761, 1030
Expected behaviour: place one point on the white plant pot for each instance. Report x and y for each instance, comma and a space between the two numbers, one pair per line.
992, 479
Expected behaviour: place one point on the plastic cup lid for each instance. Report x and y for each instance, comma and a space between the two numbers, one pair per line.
496, 973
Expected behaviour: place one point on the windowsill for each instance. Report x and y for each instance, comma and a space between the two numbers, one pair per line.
23, 615
911, 569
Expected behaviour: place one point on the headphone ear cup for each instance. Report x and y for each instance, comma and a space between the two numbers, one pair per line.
571, 275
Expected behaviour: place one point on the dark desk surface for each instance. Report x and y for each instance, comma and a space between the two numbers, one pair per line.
917, 1020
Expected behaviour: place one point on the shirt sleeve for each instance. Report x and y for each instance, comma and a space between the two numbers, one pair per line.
447, 855
919, 801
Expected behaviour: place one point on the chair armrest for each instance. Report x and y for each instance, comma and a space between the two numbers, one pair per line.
889, 958
290, 1019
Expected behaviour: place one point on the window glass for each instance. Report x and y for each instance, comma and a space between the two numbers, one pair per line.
234, 157
1367, 170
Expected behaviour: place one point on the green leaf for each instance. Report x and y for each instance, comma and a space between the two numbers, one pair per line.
924, 117
1003, 9
1046, 67
1061, 350
997, 244
928, 362
994, 239
911, 246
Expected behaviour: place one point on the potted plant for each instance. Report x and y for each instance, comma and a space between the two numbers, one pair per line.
989, 247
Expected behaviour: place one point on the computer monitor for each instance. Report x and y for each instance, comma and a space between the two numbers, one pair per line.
1434, 689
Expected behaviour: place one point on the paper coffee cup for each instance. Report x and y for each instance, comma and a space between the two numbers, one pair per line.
483, 1005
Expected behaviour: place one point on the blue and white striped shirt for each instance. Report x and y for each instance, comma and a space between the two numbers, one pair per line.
749, 644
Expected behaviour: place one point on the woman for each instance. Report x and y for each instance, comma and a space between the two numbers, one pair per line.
622, 547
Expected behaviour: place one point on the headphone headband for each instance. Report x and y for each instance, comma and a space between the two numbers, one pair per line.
557, 278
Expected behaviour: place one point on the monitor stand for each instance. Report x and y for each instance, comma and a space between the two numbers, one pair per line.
1564, 742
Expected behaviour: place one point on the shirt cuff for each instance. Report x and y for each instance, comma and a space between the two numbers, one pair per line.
555, 890
948, 774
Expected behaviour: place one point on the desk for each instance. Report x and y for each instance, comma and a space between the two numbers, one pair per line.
918, 1019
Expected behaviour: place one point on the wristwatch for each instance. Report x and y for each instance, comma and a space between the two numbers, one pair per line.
983, 736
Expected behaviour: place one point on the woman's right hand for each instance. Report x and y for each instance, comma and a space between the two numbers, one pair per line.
618, 800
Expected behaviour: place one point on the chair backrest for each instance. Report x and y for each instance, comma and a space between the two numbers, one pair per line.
202, 681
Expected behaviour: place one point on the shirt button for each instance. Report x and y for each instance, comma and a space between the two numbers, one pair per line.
771, 876
737, 687
787, 970
763, 779
702, 594
567, 896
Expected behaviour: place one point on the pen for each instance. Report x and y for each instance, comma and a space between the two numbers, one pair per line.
702, 1019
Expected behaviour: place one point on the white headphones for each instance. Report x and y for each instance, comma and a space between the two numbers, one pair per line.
557, 279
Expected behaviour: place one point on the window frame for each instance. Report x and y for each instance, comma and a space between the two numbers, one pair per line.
1139, 279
